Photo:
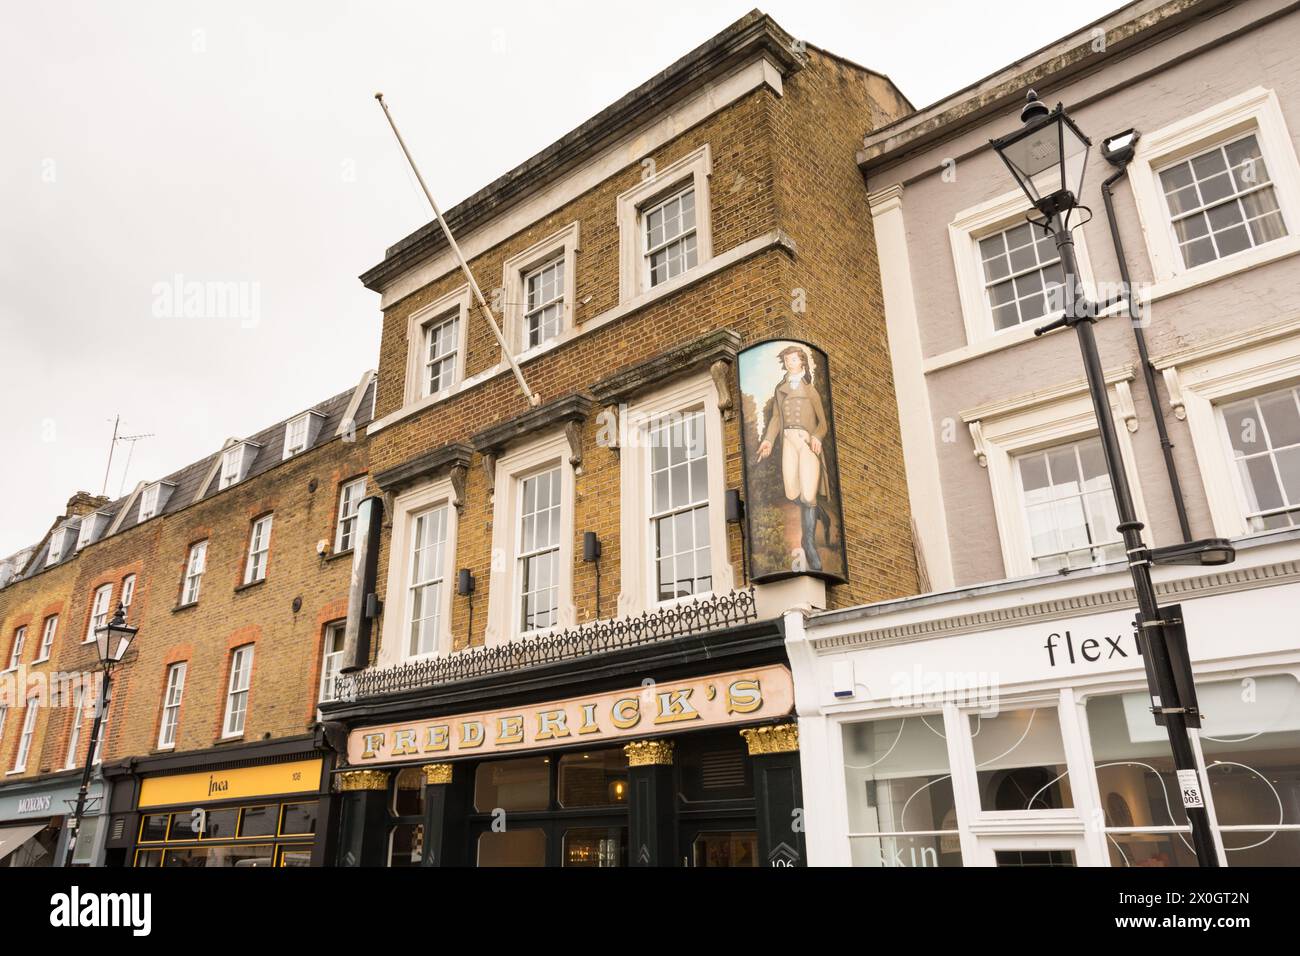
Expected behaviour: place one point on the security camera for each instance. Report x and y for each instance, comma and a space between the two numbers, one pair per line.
322, 546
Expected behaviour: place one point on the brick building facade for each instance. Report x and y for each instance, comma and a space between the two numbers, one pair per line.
192, 614
632, 264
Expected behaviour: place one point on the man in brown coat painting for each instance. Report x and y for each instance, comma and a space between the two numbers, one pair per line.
799, 420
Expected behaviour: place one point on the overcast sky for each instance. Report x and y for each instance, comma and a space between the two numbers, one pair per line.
239, 143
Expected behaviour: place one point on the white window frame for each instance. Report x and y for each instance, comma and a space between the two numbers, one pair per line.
347, 520
97, 754
48, 633
560, 245
519, 596
98, 615
58, 544
694, 168
242, 454
965, 231
639, 586
149, 501
1254, 111
259, 549
173, 694
238, 686
333, 631
1004, 430
1203, 378
192, 583
310, 423
503, 595
396, 624
16, 647
26, 734
78, 718
457, 302
127, 594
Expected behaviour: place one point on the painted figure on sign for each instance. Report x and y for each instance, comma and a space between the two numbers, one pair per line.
799, 423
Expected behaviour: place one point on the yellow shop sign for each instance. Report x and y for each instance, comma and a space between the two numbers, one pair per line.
742, 696
268, 780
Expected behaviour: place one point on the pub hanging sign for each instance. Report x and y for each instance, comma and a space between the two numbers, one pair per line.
737, 697
794, 520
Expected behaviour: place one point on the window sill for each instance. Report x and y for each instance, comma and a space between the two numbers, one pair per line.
235, 739
335, 555
185, 607
1223, 268
40, 660
248, 585
163, 750
9, 670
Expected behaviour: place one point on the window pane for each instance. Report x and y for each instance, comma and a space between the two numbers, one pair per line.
408, 793
726, 848
299, 818
595, 846
406, 847
594, 779
259, 821
522, 784
1020, 760
525, 847
897, 779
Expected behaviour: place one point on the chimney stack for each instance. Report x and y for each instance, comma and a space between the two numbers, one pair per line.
83, 503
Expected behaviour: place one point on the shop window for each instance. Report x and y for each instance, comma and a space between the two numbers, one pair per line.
523, 847
408, 793
148, 858
295, 856
237, 856
897, 778
595, 779
406, 844
1020, 760
1252, 764
258, 821
153, 828
523, 784
299, 819
595, 846
729, 848
1142, 812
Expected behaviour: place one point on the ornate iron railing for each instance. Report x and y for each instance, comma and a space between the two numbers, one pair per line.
595, 637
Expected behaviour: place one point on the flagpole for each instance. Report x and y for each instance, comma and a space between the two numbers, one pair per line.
533, 399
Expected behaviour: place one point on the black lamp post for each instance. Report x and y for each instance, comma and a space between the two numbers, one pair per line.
1047, 156
111, 640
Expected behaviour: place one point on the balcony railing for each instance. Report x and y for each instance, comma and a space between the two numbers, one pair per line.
595, 637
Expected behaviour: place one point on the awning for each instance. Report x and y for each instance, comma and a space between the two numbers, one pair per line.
11, 838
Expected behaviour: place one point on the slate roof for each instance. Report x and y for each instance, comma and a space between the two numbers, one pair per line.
188, 479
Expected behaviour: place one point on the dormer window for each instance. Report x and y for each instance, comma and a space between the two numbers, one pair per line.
59, 543
92, 526
235, 462
153, 498
300, 433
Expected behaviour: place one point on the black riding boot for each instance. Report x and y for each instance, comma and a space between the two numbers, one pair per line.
809, 514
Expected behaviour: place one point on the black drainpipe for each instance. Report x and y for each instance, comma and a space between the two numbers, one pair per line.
1118, 151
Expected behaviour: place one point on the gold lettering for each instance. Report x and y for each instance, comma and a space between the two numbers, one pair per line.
589, 725
373, 742
626, 713
744, 697
438, 738
551, 724
403, 743
675, 705
471, 733
510, 730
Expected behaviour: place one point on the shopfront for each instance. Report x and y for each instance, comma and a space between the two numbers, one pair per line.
263, 812
34, 818
687, 771
1009, 725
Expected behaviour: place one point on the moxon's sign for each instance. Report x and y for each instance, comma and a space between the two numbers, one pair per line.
742, 696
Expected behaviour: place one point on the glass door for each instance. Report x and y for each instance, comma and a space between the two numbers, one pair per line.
1037, 851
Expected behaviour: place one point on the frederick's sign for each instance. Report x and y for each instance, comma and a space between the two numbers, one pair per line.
742, 696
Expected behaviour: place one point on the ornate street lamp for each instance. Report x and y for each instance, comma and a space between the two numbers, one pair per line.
111, 640
1047, 157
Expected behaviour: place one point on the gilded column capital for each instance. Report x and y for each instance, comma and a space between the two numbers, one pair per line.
353, 780
649, 753
435, 773
772, 739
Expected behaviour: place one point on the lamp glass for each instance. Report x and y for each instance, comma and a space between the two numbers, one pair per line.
1049, 155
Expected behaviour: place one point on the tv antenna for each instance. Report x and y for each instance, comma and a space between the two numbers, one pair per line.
113, 447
